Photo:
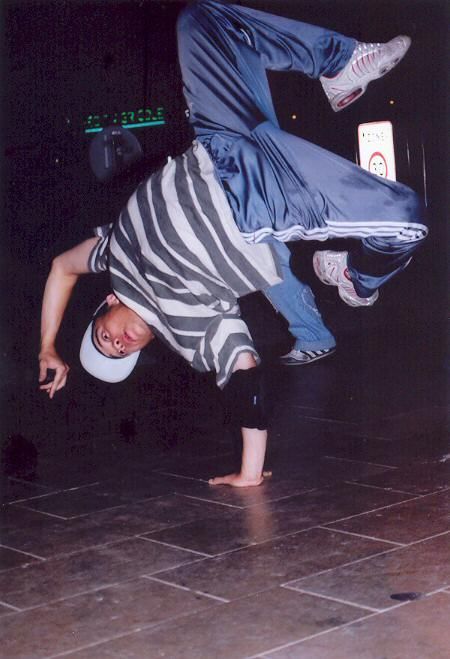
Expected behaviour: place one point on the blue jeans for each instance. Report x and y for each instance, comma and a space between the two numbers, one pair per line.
295, 301
278, 185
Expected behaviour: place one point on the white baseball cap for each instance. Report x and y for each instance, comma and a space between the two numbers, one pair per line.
102, 367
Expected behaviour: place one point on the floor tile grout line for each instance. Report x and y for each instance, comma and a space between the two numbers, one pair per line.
295, 493
362, 462
190, 590
167, 544
213, 503
286, 496
19, 502
373, 438
23, 481
419, 498
75, 488
327, 631
58, 557
15, 502
15, 609
322, 419
96, 589
105, 586
442, 589
52, 492
431, 537
285, 535
414, 496
362, 535
25, 553
251, 545
400, 415
180, 476
44, 512
167, 583
365, 558
372, 510
251, 505
385, 489
220, 503
304, 530
174, 567
342, 565
98, 511
334, 599
141, 628
68, 554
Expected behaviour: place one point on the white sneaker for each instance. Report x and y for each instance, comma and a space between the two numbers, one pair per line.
368, 62
331, 269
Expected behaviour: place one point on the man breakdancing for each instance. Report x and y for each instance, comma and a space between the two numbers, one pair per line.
202, 231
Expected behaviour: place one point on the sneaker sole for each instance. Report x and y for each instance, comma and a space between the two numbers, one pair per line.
310, 361
352, 302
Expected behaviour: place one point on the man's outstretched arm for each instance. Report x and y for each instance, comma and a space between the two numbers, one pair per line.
254, 439
64, 273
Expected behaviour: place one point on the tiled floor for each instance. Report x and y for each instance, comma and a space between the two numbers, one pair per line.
115, 546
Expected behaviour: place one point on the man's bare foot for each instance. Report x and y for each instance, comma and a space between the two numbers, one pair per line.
235, 480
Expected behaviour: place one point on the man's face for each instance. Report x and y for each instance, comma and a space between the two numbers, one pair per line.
120, 331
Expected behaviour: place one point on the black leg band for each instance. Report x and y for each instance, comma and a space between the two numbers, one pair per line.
245, 397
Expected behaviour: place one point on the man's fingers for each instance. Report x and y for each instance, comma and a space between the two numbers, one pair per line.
42, 371
49, 376
58, 379
57, 384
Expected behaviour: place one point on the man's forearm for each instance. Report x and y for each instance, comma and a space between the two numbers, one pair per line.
66, 268
64, 273
245, 399
57, 293
254, 443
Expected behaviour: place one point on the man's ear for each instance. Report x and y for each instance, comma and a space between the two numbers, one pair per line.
112, 300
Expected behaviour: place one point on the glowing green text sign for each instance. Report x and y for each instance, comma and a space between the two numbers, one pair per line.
141, 118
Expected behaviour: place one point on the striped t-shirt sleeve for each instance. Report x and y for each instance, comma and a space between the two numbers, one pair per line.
98, 258
226, 337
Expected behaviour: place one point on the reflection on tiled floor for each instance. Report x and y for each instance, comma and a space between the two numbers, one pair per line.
113, 545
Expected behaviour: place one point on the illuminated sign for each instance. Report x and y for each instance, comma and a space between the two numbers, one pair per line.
376, 148
141, 118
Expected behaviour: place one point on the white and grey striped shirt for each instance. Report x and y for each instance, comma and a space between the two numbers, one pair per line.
176, 257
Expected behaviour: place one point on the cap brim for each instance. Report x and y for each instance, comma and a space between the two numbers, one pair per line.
102, 367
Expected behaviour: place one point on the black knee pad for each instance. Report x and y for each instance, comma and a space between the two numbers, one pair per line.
245, 398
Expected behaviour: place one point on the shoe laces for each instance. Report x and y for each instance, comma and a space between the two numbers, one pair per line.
365, 57
365, 47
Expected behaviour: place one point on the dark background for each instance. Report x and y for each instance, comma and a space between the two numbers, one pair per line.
63, 60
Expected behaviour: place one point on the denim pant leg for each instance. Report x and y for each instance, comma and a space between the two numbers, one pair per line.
295, 301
